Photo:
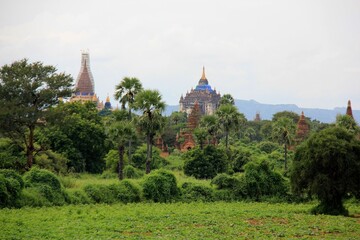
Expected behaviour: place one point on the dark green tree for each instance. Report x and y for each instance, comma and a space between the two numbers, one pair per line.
229, 119
348, 123
151, 121
119, 134
328, 165
125, 93
284, 133
227, 99
27, 91
287, 114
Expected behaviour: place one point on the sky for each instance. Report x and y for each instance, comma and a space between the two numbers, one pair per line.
304, 52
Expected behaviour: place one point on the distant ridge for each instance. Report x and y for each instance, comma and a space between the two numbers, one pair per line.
251, 107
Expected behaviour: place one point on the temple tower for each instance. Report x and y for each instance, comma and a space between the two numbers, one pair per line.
349, 110
302, 129
207, 98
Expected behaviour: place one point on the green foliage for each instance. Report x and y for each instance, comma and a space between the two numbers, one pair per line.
52, 161
27, 91
225, 181
160, 186
11, 185
46, 184
267, 146
78, 197
192, 192
112, 161
261, 181
133, 173
11, 155
205, 163
286, 114
348, 123
327, 165
126, 192
77, 132
139, 158
239, 157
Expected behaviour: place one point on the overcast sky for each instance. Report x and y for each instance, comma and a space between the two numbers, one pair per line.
305, 52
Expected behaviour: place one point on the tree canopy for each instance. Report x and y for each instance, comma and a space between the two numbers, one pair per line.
27, 91
328, 165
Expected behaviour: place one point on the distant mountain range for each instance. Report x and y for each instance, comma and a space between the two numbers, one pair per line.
251, 107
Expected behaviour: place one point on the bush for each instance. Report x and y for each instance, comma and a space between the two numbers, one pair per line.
11, 155
206, 163
32, 197
131, 172
78, 197
196, 192
239, 157
112, 161
225, 181
268, 147
160, 186
52, 161
138, 159
261, 181
46, 184
126, 192
11, 185
99, 193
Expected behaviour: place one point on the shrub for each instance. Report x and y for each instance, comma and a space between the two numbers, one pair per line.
112, 160
160, 186
261, 181
224, 181
126, 192
52, 161
206, 163
11, 185
239, 157
78, 197
131, 172
197, 192
46, 184
32, 197
11, 156
267, 146
99, 193
138, 159
36, 177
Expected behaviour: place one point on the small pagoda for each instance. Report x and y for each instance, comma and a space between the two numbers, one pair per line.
302, 129
349, 110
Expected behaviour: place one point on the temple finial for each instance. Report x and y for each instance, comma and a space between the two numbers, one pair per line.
203, 74
349, 110
349, 103
108, 98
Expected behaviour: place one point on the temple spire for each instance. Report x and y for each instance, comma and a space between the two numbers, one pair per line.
203, 74
349, 110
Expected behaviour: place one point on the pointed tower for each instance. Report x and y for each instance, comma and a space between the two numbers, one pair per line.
302, 129
349, 110
107, 103
85, 80
257, 117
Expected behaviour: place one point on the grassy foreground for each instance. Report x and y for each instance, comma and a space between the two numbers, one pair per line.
177, 221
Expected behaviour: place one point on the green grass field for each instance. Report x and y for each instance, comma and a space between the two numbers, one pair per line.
178, 221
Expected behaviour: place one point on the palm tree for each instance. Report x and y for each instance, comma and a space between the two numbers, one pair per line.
151, 121
229, 119
125, 93
284, 132
120, 132
210, 124
227, 99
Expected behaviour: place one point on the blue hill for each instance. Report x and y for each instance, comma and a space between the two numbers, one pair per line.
250, 107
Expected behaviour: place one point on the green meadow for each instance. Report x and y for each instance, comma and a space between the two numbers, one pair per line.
218, 220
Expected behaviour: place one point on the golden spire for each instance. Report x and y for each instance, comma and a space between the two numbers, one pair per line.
203, 74
349, 103
108, 98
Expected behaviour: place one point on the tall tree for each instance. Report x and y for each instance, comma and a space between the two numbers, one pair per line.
210, 124
151, 121
125, 92
227, 99
27, 91
284, 133
119, 133
328, 165
229, 119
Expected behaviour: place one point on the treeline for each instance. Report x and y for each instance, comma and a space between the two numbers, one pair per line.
243, 159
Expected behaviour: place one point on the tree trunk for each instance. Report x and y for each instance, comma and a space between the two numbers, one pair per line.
121, 162
129, 152
285, 156
148, 154
30, 149
227, 140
